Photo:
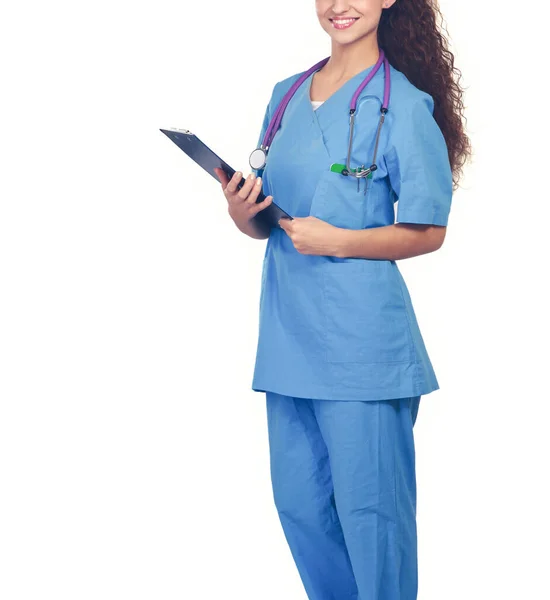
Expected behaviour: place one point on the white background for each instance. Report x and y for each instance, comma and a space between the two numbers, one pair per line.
133, 453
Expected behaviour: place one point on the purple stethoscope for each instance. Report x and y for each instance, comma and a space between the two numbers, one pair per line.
258, 157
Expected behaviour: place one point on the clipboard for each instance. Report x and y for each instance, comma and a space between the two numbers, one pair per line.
209, 160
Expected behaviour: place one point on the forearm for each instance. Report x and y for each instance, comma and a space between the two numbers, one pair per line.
391, 242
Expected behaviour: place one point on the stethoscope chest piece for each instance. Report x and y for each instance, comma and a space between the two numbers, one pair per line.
258, 158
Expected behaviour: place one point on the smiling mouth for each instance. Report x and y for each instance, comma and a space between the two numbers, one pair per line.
343, 23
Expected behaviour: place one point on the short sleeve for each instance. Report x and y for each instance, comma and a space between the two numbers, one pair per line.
418, 166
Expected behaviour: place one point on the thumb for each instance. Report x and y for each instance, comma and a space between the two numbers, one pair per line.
283, 223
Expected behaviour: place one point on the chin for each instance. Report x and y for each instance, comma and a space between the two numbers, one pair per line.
344, 40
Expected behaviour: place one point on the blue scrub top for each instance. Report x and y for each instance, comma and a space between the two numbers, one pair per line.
344, 328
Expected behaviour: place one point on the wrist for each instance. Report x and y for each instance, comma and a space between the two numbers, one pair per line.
340, 242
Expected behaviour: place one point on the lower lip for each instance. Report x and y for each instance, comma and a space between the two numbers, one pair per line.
345, 26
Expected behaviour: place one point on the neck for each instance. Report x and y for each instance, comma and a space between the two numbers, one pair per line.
346, 60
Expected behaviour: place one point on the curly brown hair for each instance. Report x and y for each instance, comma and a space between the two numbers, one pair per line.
410, 34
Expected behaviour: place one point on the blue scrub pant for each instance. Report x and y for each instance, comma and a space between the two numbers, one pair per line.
344, 485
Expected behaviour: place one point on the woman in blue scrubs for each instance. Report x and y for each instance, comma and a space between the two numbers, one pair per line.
340, 355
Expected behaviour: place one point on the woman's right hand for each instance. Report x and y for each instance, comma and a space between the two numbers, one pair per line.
241, 204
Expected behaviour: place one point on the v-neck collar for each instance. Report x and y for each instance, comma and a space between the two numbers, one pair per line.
335, 106
357, 78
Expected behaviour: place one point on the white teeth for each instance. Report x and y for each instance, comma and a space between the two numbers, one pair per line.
343, 22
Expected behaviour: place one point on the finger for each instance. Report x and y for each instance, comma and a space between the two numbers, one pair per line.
234, 181
262, 205
255, 191
247, 187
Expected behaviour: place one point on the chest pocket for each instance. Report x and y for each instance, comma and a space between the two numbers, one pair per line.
337, 201
338, 198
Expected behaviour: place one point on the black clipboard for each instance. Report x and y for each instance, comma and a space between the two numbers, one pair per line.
209, 160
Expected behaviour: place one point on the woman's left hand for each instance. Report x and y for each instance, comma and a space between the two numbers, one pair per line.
311, 235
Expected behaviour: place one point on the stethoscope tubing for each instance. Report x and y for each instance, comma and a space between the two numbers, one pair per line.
275, 122
278, 116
